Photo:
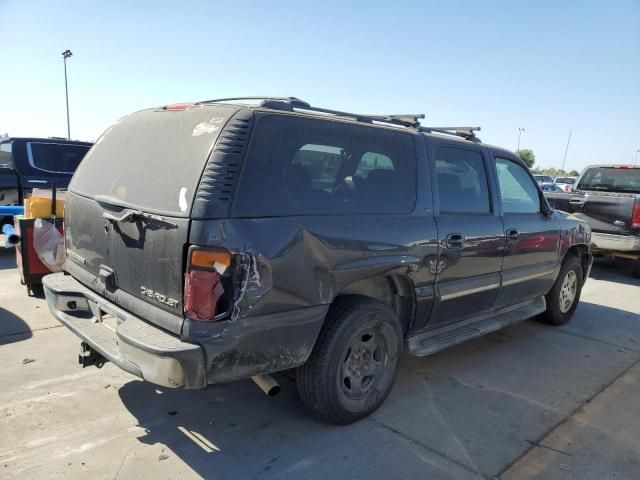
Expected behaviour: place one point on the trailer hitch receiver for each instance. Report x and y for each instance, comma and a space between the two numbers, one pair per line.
88, 356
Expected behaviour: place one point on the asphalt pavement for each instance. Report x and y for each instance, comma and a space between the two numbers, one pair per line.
530, 401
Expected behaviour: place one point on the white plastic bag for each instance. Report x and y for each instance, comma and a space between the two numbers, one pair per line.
49, 245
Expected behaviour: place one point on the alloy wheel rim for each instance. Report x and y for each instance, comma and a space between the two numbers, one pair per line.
568, 291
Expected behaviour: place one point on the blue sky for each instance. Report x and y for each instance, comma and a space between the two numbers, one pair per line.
546, 66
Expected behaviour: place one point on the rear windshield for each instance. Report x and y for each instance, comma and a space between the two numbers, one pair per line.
153, 159
543, 178
311, 166
55, 157
567, 180
611, 179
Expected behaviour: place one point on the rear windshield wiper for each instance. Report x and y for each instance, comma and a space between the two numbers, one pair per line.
131, 214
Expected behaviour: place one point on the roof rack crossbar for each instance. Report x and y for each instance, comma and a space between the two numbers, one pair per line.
467, 133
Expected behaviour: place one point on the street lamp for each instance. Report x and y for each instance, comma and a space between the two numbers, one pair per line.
635, 160
520, 132
66, 54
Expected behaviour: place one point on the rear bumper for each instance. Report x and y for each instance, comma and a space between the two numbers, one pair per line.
128, 341
216, 351
621, 243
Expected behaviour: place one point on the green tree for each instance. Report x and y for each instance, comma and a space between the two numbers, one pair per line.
527, 156
574, 173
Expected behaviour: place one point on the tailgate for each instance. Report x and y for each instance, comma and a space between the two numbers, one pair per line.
607, 212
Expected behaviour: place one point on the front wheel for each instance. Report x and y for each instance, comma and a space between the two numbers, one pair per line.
563, 298
354, 362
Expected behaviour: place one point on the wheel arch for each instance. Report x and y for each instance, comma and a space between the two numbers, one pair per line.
395, 291
581, 251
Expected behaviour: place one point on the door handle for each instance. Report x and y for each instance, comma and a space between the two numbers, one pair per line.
577, 201
512, 235
455, 240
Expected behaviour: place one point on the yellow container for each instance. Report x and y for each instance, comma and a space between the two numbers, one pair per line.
41, 208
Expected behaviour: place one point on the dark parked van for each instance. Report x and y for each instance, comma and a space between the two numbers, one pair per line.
218, 241
28, 163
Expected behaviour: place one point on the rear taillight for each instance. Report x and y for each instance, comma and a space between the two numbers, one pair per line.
635, 216
203, 283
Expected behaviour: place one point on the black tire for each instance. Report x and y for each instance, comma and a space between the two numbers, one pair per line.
354, 362
558, 312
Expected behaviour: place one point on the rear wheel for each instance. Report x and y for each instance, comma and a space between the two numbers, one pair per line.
563, 298
354, 362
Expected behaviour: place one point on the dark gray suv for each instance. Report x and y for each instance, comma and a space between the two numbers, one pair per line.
217, 241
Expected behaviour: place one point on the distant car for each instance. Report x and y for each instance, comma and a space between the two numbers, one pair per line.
565, 183
543, 178
27, 163
551, 187
608, 198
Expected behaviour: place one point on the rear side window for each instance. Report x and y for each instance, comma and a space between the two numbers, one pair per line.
518, 192
462, 181
5, 155
304, 166
55, 157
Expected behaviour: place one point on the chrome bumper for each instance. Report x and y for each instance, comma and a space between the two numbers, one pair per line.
621, 243
134, 345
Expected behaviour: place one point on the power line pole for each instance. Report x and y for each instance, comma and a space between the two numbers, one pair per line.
520, 130
565, 151
66, 54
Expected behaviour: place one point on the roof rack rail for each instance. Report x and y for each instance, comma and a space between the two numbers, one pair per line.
265, 99
468, 133
409, 120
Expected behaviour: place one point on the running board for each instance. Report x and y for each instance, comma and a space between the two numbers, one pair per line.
432, 341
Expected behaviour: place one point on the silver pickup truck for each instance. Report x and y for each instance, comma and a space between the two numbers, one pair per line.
608, 197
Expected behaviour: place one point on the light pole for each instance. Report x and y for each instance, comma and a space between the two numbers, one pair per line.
66, 54
520, 131
635, 160
565, 151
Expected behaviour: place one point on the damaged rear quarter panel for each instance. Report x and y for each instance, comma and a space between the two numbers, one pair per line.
300, 264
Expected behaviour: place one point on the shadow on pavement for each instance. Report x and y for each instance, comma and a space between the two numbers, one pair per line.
226, 431
620, 271
7, 258
12, 328
509, 386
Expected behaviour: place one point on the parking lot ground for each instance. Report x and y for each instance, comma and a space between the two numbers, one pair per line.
530, 401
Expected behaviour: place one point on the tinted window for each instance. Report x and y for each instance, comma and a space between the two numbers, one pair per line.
5, 155
308, 166
518, 191
567, 180
462, 181
373, 161
55, 157
612, 179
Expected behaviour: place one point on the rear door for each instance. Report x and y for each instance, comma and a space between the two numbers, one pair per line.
127, 215
532, 238
470, 233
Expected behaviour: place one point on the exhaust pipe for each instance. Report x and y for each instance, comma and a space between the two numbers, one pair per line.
11, 238
267, 384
